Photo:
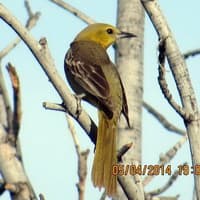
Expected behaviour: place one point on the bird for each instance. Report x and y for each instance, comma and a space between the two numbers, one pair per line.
93, 76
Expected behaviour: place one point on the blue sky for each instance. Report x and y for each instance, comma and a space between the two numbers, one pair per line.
48, 150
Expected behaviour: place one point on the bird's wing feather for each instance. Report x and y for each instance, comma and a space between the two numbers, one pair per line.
90, 77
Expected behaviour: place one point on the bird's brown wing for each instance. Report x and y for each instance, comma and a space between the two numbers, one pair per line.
125, 105
88, 75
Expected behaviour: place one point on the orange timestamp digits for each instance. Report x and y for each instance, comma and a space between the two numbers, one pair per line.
150, 170
186, 169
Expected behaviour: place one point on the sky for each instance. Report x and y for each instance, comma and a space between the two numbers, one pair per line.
48, 150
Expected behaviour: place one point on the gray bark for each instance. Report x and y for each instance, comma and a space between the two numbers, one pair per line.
189, 110
129, 59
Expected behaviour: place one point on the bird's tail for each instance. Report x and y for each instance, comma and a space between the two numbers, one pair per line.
105, 155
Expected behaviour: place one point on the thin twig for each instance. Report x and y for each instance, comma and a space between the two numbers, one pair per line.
82, 160
28, 8
74, 11
170, 154
6, 101
167, 185
163, 83
168, 125
192, 53
54, 106
31, 22
183, 81
167, 157
17, 113
22, 188
164, 197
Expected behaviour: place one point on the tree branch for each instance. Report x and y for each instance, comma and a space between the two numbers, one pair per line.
74, 11
42, 54
167, 185
129, 187
31, 22
54, 106
163, 83
167, 157
5, 105
82, 160
180, 73
192, 53
16, 122
168, 125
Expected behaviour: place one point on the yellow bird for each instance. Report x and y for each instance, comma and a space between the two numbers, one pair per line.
91, 73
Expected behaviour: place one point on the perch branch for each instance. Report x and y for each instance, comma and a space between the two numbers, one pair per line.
42, 54
54, 106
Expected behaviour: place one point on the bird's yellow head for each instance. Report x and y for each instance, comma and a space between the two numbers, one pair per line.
103, 34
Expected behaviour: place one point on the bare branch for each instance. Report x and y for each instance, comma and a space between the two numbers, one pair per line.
31, 22
129, 188
28, 8
54, 106
170, 154
74, 135
165, 198
17, 103
167, 157
191, 53
181, 76
82, 160
74, 11
163, 83
169, 183
9, 163
6, 103
168, 125
162, 189
42, 54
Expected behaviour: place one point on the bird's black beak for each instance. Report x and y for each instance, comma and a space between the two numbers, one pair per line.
123, 34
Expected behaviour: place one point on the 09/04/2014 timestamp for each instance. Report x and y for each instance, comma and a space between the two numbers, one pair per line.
153, 170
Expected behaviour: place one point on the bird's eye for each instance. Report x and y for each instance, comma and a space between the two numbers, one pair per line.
109, 31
